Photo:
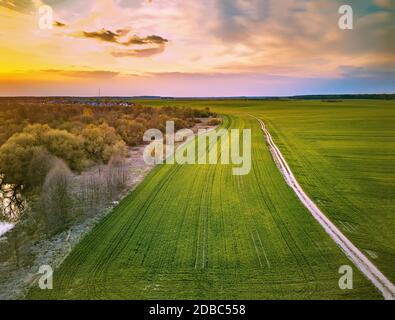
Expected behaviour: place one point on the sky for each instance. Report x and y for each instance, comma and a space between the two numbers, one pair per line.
196, 48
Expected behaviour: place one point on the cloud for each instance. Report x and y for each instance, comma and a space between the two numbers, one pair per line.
386, 4
96, 74
287, 38
235, 17
147, 40
24, 6
155, 39
123, 32
373, 72
154, 44
103, 35
59, 24
115, 37
139, 53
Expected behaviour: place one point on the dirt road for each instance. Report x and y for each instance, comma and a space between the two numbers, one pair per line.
353, 253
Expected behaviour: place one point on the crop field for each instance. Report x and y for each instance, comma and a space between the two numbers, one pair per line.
343, 154
198, 232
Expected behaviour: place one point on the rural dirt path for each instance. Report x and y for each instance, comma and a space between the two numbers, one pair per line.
353, 253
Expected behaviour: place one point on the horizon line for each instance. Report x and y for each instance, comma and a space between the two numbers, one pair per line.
201, 97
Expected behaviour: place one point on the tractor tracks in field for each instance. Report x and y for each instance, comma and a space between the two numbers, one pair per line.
382, 283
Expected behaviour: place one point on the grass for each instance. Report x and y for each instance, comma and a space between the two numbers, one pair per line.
198, 232
343, 154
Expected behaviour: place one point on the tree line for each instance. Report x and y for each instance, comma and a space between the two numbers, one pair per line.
43, 144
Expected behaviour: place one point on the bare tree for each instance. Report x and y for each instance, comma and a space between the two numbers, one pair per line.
116, 175
14, 245
40, 164
92, 191
56, 198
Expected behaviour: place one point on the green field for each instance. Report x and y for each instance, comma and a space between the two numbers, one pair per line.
198, 232
343, 154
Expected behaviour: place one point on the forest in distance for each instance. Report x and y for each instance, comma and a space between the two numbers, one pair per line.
45, 140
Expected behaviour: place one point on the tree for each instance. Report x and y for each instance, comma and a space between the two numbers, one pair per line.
15, 157
87, 114
101, 142
131, 131
41, 163
93, 191
17, 153
14, 245
66, 146
116, 175
56, 198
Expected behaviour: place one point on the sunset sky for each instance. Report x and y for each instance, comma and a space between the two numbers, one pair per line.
196, 48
